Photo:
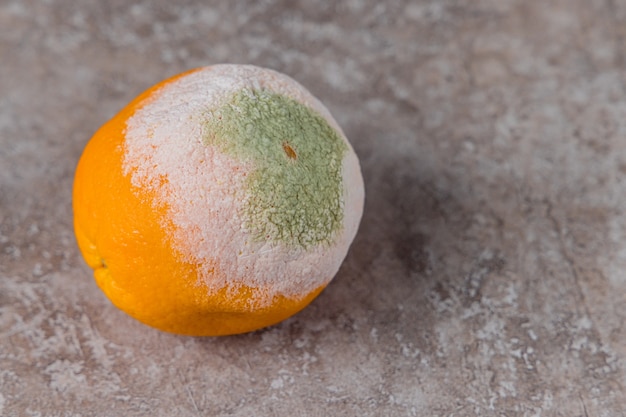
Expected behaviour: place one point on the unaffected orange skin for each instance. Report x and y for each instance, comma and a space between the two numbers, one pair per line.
121, 235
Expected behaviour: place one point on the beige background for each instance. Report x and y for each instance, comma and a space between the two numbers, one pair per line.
488, 277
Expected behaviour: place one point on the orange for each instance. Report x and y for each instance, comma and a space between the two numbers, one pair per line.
219, 201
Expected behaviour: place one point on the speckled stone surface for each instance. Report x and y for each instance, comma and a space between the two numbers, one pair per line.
489, 274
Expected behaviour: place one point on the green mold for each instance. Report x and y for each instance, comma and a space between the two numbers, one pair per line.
295, 194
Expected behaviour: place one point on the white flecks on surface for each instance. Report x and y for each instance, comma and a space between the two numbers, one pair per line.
543, 187
65, 375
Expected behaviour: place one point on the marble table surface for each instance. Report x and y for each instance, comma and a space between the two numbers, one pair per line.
488, 277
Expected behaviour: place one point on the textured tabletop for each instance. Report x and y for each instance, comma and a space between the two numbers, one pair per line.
488, 277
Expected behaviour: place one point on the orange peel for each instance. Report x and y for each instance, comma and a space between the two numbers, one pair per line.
219, 201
